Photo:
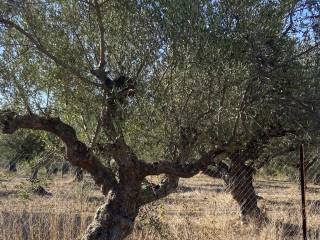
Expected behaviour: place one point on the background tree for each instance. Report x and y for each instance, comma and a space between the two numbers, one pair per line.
19, 148
267, 124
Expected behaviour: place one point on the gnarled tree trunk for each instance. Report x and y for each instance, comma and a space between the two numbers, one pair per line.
238, 178
240, 185
115, 219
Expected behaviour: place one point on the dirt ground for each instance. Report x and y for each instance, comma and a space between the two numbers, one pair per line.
200, 209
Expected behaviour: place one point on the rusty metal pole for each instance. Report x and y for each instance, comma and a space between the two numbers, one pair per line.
303, 193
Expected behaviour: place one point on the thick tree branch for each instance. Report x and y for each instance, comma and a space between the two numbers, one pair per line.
95, 136
120, 151
185, 170
152, 192
77, 153
220, 170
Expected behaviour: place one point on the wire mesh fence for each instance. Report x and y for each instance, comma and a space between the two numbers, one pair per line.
291, 203
263, 200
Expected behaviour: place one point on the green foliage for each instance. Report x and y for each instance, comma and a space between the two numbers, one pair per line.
225, 69
21, 147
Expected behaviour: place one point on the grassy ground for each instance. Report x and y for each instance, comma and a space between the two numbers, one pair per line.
199, 210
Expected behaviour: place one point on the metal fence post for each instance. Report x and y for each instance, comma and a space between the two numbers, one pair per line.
303, 193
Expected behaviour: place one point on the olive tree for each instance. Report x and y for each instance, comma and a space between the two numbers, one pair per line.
79, 70
279, 41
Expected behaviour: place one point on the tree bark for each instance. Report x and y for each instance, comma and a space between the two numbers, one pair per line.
239, 182
240, 185
153, 192
239, 177
115, 219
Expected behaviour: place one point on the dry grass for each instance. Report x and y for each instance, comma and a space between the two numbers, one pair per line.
199, 210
